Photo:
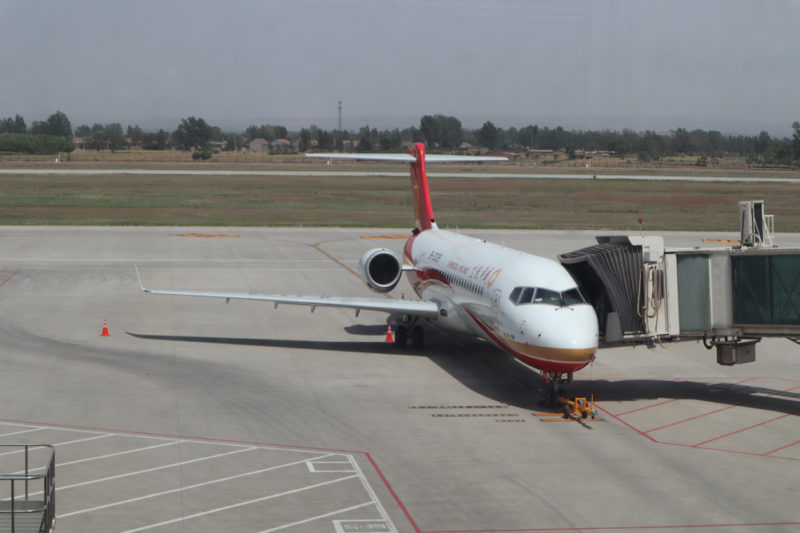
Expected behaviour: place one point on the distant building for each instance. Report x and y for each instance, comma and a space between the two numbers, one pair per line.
258, 145
539, 153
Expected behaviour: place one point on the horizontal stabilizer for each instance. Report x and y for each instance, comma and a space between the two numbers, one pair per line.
408, 158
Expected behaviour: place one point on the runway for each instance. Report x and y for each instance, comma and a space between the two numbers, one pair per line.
597, 174
194, 415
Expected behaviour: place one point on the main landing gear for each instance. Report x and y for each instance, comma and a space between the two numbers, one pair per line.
402, 333
552, 382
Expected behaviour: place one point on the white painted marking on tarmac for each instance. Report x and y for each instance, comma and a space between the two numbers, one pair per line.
312, 467
239, 448
115, 454
106, 456
155, 469
339, 525
21, 432
371, 493
87, 439
318, 517
240, 504
181, 489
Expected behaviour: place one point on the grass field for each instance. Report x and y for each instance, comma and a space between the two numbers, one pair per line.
171, 159
385, 202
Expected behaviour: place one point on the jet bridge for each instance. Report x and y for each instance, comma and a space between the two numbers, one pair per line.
730, 297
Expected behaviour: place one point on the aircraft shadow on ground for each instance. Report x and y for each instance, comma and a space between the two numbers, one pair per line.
717, 392
497, 376
500, 377
377, 347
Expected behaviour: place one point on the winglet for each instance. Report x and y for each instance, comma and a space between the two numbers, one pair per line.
139, 277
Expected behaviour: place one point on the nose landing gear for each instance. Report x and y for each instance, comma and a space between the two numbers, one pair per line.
552, 382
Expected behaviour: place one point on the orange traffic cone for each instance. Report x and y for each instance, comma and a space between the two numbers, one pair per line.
389, 335
105, 328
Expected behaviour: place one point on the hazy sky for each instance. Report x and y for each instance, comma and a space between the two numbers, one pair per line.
659, 64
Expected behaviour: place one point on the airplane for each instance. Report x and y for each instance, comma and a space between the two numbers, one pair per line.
528, 306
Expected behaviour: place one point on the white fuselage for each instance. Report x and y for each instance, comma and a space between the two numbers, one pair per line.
547, 325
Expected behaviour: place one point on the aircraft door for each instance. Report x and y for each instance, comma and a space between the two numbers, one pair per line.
496, 300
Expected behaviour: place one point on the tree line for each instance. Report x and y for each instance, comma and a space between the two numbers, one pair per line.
48, 137
438, 132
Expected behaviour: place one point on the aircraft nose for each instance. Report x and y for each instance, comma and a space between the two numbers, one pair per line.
568, 328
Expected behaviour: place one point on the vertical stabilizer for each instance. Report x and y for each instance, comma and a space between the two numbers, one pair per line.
423, 210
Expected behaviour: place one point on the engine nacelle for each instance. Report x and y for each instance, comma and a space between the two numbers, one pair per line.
380, 269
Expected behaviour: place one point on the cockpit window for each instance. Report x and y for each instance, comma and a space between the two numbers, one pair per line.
527, 295
572, 297
534, 295
546, 296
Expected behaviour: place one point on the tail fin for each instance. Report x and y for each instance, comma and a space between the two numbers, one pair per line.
423, 210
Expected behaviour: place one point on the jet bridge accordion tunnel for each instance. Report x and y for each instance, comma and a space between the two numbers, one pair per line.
730, 297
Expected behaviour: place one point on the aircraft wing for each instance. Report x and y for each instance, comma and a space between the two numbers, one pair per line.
407, 307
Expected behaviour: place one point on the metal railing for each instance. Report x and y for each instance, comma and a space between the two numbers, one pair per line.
18, 512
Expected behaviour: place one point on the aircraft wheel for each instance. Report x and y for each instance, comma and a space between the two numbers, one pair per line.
401, 336
418, 337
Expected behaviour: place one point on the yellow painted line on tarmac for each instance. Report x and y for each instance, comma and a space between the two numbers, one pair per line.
384, 237
474, 415
721, 241
495, 406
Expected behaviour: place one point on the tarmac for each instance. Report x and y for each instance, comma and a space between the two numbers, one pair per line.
197, 415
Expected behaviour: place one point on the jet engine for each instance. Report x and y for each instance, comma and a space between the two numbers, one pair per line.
380, 269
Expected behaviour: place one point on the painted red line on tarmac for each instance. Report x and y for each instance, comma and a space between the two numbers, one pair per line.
612, 528
621, 421
693, 418
746, 429
648, 407
397, 498
738, 452
782, 448
720, 410
677, 399
393, 493
181, 437
230, 441
9, 277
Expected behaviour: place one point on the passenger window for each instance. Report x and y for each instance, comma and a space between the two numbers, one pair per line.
546, 296
572, 297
